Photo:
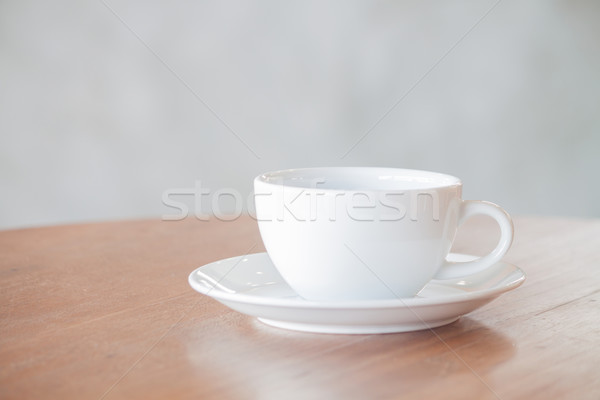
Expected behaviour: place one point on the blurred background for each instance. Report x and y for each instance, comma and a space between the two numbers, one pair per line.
105, 105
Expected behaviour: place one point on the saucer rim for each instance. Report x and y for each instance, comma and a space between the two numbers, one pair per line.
494, 291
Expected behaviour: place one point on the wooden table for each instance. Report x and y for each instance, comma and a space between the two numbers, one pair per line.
104, 311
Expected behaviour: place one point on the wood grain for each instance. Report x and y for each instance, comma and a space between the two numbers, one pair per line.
104, 311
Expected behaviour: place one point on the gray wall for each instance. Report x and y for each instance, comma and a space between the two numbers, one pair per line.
102, 111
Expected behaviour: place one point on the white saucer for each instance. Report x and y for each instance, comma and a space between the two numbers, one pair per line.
251, 285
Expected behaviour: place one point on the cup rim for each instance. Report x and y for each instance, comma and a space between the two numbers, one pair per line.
285, 178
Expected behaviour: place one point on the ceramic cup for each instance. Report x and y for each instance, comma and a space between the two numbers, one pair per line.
342, 234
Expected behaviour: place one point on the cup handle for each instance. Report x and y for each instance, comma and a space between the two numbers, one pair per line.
468, 209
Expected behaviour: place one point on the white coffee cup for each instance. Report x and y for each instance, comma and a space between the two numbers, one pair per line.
354, 233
